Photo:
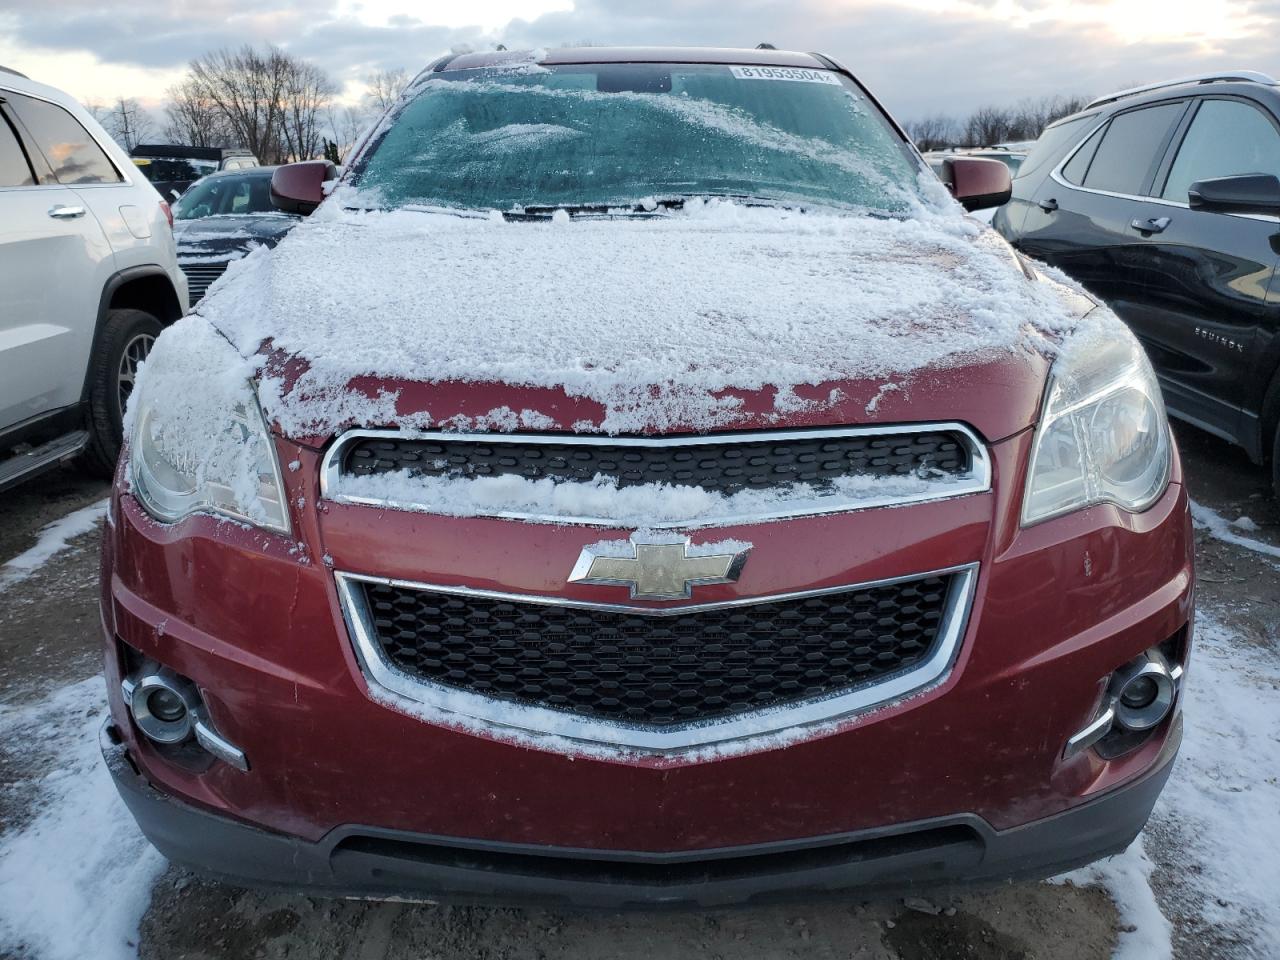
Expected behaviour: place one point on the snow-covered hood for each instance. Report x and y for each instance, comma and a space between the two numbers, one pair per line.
230, 235
718, 317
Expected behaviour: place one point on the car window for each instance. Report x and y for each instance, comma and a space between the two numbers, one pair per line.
225, 195
240, 198
74, 155
1076, 168
1128, 148
1227, 137
1051, 143
14, 169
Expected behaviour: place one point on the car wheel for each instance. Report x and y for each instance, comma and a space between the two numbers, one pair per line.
1275, 464
124, 343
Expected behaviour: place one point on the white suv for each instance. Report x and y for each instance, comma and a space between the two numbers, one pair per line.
88, 278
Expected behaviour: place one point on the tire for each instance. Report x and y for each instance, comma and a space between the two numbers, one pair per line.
124, 341
1275, 464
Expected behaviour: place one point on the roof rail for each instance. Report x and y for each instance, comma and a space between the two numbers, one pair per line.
1247, 76
4, 69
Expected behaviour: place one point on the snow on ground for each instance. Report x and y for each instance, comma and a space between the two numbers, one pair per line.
1145, 933
54, 538
1222, 528
1222, 804
1223, 801
76, 879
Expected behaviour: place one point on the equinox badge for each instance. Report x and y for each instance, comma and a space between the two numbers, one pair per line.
658, 566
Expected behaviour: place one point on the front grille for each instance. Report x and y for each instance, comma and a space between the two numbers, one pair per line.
199, 277
713, 464
653, 671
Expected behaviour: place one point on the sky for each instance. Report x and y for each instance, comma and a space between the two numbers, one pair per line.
920, 57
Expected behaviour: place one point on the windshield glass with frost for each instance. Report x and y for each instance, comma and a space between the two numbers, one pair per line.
624, 134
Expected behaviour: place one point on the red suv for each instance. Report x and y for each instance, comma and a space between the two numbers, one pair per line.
639, 483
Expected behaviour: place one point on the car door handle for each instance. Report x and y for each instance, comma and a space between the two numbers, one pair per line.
61, 212
1048, 206
1153, 225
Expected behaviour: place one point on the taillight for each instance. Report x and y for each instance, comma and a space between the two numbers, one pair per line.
168, 213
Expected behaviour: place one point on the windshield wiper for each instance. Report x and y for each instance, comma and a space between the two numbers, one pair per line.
635, 208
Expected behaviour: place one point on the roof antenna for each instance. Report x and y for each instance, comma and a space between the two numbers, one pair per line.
765, 46
501, 47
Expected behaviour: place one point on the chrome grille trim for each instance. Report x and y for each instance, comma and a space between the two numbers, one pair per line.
524, 720
979, 480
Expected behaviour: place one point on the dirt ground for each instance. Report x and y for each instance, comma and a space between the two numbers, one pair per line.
48, 636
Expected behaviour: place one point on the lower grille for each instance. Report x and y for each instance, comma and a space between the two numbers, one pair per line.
199, 278
658, 672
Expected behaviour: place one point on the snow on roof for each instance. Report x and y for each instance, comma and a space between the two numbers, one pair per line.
652, 318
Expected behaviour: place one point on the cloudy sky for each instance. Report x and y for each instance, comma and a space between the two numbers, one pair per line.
919, 56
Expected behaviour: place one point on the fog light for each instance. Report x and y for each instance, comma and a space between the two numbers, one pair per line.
1141, 692
166, 706
1139, 697
1144, 692
162, 703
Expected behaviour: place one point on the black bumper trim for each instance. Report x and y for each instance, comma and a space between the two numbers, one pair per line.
354, 861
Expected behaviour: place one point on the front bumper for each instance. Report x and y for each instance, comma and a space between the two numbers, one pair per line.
256, 622
367, 862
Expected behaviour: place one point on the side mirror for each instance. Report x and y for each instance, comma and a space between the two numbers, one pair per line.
977, 182
1250, 193
299, 187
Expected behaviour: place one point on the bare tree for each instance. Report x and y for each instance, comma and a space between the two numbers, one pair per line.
194, 118
383, 88
125, 120
987, 125
247, 88
990, 125
346, 124
306, 92
933, 133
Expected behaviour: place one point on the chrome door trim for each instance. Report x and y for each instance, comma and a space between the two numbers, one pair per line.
484, 715
979, 480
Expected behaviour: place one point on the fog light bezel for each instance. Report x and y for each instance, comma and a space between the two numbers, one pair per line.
1141, 719
155, 728
194, 725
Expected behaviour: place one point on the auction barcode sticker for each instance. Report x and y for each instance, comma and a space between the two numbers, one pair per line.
785, 73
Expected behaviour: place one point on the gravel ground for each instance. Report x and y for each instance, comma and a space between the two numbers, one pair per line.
48, 627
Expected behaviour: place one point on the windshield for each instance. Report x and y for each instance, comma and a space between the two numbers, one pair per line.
211, 197
166, 170
625, 134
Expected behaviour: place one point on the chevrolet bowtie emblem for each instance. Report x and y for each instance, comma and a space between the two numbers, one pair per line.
658, 567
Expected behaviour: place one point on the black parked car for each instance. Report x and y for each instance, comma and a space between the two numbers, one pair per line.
222, 218
1163, 201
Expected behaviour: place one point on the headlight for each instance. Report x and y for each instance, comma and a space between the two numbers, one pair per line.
1103, 436
198, 441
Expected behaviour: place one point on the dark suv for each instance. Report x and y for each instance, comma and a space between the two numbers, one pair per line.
1163, 201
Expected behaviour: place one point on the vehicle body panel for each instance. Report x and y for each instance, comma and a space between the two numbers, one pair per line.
57, 271
1200, 293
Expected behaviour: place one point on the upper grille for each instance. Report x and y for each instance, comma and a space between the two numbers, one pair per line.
713, 464
199, 277
658, 671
